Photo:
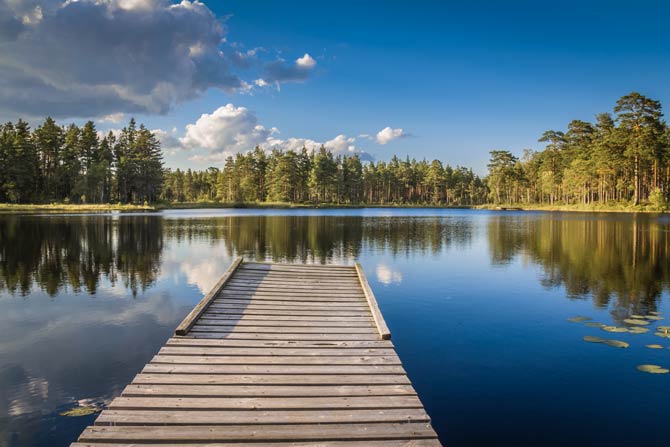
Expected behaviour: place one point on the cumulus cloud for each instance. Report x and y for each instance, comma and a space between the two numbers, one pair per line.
282, 71
388, 134
230, 129
227, 129
86, 58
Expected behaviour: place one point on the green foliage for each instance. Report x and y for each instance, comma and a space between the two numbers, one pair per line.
658, 200
74, 165
625, 158
319, 178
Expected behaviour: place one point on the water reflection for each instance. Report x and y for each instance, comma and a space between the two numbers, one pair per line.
57, 253
85, 301
618, 261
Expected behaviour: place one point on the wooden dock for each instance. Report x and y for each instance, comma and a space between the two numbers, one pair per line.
275, 355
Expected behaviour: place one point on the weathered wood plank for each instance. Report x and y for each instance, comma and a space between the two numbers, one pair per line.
193, 316
223, 328
264, 403
260, 432
227, 417
139, 390
275, 360
294, 299
366, 443
283, 294
283, 279
276, 351
349, 286
247, 310
153, 368
384, 331
297, 344
270, 379
281, 323
323, 318
298, 267
292, 304
289, 301
291, 337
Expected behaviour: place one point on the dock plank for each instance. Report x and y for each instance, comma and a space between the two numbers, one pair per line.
276, 355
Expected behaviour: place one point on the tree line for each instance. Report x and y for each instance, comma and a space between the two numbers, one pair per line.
75, 164
623, 157
322, 177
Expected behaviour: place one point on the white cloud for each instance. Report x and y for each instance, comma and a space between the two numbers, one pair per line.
112, 118
96, 58
227, 129
306, 61
280, 71
388, 134
230, 129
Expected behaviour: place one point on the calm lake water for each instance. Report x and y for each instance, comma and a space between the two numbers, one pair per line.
477, 303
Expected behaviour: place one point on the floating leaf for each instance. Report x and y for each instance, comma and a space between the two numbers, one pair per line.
579, 319
653, 369
662, 334
614, 329
663, 328
593, 324
636, 321
592, 339
80, 411
654, 346
637, 316
654, 318
638, 330
653, 312
616, 343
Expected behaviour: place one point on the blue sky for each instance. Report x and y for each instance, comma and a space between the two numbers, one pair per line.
459, 79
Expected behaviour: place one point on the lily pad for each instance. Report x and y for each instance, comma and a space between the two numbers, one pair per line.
663, 328
80, 411
593, 324
579, 319
592, 339
662, 334
654, 346
654, 318
616, 343
638, 330
653, 369
636, 321
614, 329
637, 316
653, 312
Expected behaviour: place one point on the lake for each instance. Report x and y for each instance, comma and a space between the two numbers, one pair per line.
477, 302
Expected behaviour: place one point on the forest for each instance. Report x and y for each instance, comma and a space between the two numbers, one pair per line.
75, 164
322, 177
623, 157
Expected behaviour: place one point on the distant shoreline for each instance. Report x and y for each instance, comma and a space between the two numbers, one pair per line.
103, 208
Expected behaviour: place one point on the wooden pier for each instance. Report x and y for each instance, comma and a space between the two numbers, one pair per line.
275, 355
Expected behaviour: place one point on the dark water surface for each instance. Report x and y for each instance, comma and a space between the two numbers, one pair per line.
476, 301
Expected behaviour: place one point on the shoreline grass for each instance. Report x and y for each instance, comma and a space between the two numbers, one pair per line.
71, 208
102, 208
613, 207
